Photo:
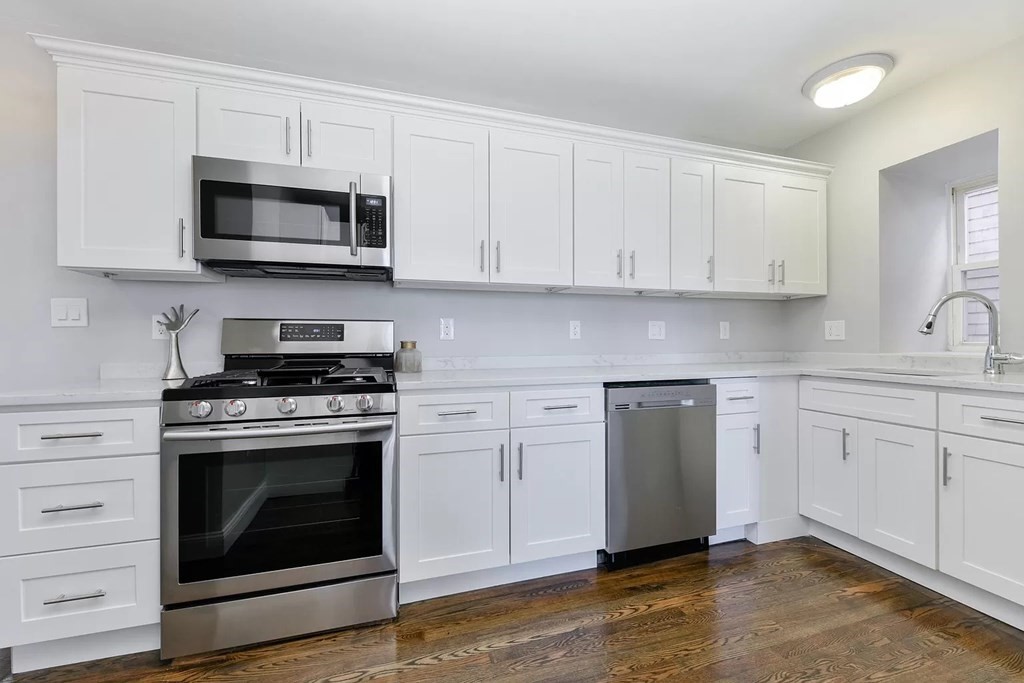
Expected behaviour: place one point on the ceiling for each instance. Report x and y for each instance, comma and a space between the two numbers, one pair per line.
726, 71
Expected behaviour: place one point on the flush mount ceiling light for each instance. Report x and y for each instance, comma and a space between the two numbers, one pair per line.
847, 81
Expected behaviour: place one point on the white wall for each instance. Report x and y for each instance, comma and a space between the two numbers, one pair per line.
972, 99
487, 323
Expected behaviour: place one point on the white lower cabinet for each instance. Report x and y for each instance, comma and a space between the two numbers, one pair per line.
828, 469
558, 491
738, 443
453, 503
980, 514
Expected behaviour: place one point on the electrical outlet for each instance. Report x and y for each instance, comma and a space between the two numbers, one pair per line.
723, 330
447, 329
575, 331
835, 330
159, 331
69, 312
656, 329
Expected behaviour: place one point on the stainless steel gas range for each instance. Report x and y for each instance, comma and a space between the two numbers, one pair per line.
278, 489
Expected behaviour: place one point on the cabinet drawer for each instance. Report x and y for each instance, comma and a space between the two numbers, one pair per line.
452, 413
76, 503
737, 395
63, 434
74, 592
555, 407
982, 416
871, 402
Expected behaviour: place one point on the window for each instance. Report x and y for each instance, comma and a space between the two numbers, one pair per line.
975, 262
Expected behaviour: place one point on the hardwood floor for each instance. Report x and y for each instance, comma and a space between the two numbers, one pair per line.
779, 613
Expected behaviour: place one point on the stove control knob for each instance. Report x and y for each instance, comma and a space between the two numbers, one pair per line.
234, 408
286, 406
364, 402
200, 409
335, 404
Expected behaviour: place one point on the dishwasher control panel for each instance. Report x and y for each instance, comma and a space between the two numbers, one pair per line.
631, 396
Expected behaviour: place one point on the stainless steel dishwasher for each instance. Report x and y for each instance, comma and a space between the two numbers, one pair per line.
661, 469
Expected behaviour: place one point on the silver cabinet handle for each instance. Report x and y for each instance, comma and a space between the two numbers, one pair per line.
711, 268
309, 137
288, 135
70, 508
945, 466
82, 435
567, 406
771, 272
1004, 420
740, 398
353, 189
482, 255
449, 413
74, 598
181, 237
501, 462
497, 260
632, 265
846, 452
520, 461
782, 272
618, 265
757, 438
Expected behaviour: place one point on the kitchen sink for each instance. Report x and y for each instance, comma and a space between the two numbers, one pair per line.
910, 372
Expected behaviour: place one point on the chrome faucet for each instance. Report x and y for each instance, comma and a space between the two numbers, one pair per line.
994, 358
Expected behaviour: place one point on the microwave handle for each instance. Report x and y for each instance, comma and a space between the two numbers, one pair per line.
353, 188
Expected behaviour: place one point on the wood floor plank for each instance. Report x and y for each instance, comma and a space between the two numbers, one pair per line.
788, 612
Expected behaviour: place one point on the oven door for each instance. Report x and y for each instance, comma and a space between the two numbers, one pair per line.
268, 213
264, 506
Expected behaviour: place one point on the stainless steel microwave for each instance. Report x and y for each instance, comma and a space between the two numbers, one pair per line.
269, 220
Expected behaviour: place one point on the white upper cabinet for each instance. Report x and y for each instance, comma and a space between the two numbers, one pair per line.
124, 173
346, 138
693, 225
235, 124
441, 201
797, 235
597, 216
740, 230
647, 206
531, 209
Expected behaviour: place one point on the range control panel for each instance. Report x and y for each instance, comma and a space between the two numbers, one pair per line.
372, 217
332, 332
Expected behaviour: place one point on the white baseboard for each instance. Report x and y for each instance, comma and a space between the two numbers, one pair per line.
972, 596
780, 529
415, 591
85, 648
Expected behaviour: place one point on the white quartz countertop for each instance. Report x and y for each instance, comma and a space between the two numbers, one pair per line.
99, 391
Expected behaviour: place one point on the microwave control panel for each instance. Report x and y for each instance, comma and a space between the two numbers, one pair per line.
373, 211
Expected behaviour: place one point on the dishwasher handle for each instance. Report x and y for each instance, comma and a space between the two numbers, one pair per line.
679, 403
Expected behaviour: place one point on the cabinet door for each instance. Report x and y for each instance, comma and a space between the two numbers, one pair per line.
557, 491
897, 490
440, 201
693, 225
741, 255
828, 469
453, 504
597, 216
531, 209
234, 124
647, 202
737, 446
797, 233
980, 514
346, 138
124, 172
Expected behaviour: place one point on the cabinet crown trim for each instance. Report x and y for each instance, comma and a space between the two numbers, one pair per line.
66, 51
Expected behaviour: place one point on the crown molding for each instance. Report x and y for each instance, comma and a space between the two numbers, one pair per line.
66, 51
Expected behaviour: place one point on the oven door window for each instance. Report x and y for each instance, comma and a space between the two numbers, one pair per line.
264, 213
252, 511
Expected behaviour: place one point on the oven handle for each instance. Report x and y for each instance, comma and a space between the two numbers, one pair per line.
265, 432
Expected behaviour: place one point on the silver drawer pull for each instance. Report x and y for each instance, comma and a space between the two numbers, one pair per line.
449, 413
740, 398
70, 508
567, 406
74, 598
1004, 420
83, 435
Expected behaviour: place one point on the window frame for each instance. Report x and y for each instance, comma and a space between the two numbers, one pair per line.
957, 259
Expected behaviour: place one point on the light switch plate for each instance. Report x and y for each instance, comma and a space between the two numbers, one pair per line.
447, 329
723, 330
835, 330
575, 330
69, 312
656, 329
